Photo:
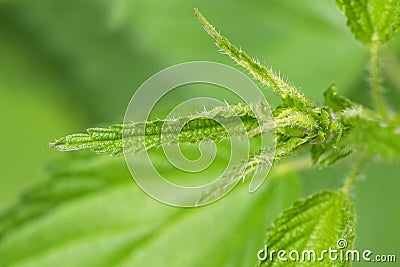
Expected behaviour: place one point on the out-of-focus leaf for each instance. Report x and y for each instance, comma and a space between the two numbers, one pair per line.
372, 21
92, 214
33, 108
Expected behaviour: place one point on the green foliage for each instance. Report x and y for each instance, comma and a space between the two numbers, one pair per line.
317, 223
72, 178
334, 130
56, 220
50, 216
372, 21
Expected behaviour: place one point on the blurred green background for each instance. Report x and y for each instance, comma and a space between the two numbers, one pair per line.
69, 65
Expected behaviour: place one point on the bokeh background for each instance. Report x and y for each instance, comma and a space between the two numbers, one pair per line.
69, 65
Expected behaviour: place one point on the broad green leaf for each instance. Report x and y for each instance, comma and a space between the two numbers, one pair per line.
372, 21
91, 213
321, 222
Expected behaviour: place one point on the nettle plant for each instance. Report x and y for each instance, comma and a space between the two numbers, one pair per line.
336, 130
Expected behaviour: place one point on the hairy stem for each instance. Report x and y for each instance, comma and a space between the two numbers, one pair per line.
352, 177
266, 76
375, 79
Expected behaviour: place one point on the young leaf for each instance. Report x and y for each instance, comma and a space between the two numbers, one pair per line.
190, 129
335, 101
317, 223
372, 21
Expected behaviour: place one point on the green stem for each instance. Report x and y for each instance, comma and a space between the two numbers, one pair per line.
352, 177
376, 86
265, 75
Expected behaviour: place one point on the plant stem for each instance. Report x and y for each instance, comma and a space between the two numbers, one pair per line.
375, 79
351, 178
266, 76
